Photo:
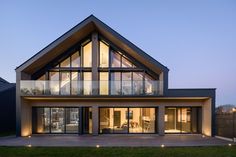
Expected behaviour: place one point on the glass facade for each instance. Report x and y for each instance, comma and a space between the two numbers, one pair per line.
61, 120
183, 120
72, 75
127, 120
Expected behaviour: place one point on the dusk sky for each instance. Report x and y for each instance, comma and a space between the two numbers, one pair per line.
196, 40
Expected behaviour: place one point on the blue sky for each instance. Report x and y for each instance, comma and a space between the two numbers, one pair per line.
196, 40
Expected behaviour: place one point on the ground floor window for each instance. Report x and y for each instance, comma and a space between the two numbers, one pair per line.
61, 120
127, 120
183, 120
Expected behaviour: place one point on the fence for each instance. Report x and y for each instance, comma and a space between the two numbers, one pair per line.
226, 124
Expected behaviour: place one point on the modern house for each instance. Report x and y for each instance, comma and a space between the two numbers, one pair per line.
8, 106
91, 80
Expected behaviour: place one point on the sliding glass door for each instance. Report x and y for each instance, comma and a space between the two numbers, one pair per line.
127, 120
63, 120
183, 120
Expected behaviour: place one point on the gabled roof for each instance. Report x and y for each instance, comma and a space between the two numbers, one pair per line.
5, 85
3, 81
81, 30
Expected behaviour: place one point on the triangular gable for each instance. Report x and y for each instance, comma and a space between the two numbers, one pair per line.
79, 32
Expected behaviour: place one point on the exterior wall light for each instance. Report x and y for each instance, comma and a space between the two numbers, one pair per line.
162, 146
229, 144
97, 146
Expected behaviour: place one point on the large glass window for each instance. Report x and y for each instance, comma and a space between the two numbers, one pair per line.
41, 120
120, 120
75, 59
137, 83
149, 85
126, 83
115, 59
66, 62
115, 83
65, 83
54, 83
182, 120
104, 83
127, 120
142, 120
87, 82
72, 120
126, 63
75, 83
57, 120
104, 55
87, 55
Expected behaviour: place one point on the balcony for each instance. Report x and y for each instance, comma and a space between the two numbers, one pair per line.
90, 88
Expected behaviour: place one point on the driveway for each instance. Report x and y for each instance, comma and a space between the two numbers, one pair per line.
112, 141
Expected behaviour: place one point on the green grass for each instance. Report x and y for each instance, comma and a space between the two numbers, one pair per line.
118, 152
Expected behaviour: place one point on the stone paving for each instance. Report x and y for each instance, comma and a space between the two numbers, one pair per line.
112, 141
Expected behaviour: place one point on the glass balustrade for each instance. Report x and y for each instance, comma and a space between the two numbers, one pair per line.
83, 88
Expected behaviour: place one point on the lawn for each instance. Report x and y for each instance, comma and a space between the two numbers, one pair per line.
225, 151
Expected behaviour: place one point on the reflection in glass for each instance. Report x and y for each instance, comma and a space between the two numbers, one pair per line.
87, 55
186, 119
115, 59
104, 55
41, 120
106, 120
149, 85
104, 83
137, 83
75, 84
66, 63
57, 120
115, 83
126, 63
126, 83
75, 59
182, 120
142, 120
72, 120
54, 83
40, 85
120, 120
65, 83
87, 90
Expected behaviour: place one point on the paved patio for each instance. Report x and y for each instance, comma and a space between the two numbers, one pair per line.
112, 141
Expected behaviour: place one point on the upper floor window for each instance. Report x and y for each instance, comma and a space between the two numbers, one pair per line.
104, 54
75, 59
65, 63
87, 55
118, 60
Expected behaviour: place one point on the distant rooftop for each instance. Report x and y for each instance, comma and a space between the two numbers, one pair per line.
5, 85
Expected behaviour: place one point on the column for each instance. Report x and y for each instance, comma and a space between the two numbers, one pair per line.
95, 120
95, 61
161, 120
